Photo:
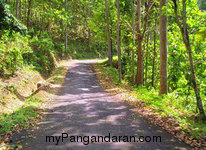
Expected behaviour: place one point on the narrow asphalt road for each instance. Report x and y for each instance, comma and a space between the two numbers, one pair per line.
83, 108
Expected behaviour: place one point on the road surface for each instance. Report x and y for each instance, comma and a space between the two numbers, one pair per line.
83, 108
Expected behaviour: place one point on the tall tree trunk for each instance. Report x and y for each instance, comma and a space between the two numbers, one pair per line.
147, 51
17, 9
139, 76
133, 35
20, 7
154, 56
66, 29
108, 34
163, 48
42, 21
119, 42
186, 40
25, 12
111, 33
89, 38
89, 30
13, 7
29, 13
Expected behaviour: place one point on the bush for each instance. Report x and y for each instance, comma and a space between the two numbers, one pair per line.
44, 54
15, 50
12, 50
8, 21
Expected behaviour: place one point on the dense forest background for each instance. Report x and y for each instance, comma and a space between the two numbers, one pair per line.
37, 33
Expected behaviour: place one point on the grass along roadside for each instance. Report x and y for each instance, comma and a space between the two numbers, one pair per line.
28, 114
165, 111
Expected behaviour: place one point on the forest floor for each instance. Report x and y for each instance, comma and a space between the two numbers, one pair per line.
81, 107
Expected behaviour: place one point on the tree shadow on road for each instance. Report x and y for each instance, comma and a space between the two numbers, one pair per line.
83, 108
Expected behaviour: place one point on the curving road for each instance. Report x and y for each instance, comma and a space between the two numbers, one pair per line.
83, 108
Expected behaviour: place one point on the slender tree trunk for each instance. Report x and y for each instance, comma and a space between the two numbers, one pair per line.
42, 21
25, 13
17, 9
29, 13
108, 34
154, 56
119, 42
14, 5
89, 38
163, 49
133, 35
66, 29
89, 30
111, 39
20, 4
139, 76
146, 65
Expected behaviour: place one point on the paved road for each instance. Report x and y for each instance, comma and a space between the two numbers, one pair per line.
83, 108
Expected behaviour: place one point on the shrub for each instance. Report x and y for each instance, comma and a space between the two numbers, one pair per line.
12, 50
8, 21
44, 54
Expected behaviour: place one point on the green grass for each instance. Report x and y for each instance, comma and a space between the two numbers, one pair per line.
21, 116
172, 105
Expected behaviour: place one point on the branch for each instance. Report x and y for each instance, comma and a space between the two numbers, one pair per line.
176, 15
130, 26
146, 18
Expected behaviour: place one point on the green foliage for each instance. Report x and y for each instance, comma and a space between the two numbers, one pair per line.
8, 21
80, 50
43, 57
13, 49
126, 65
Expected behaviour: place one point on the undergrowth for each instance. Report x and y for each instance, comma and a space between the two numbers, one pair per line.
21, 117
182, 108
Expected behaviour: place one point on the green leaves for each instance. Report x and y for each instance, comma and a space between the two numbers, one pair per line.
12, 50
8, 21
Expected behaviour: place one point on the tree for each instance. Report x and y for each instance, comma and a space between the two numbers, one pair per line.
119, 42
17, 9
163, 48
29, 13
139, 76
185, 35
108, 34
66, 28
133, 40
140, 36
154, 56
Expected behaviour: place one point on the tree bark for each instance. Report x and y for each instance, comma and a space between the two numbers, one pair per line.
119, 42
146, 65
163, 48
133, 35
108, 34
111, 33
154, 56
66, 29
139, 76
29, 13
20, 7
17, 9
25, 12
